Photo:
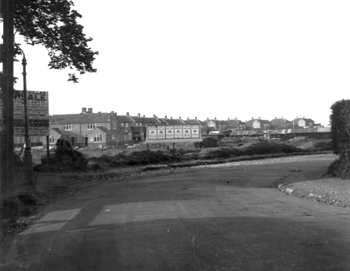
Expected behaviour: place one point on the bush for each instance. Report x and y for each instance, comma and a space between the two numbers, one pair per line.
224, 153
208, 142
255, 149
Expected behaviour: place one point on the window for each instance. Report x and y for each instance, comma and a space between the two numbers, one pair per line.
122, 124
52, 139
91, 126
126, 124
67, 126
97, 138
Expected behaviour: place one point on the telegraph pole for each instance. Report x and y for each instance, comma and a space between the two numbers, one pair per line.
7, 54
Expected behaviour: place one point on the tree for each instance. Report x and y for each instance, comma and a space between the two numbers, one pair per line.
53, 24
340, 129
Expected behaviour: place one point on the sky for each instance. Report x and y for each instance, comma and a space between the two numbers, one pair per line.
205, 59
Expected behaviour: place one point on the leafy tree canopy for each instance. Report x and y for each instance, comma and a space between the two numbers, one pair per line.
53, 23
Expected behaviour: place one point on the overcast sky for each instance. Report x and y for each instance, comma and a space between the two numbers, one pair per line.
206, 59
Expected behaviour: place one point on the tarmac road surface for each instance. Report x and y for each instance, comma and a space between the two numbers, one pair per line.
228, 218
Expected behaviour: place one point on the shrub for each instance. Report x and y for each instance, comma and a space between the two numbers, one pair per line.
224, 153
208, 142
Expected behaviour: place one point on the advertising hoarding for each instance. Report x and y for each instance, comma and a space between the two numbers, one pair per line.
173, 134
38, 113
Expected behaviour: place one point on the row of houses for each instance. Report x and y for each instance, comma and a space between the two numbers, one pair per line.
89, 129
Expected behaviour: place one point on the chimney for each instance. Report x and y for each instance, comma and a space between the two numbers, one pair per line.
83, 110
179, 117
207, 118
171, 118
89, 110
235, 118
228, 118
188, 118
143, 116
138, 114
154, 116
215, 118
195, 117
166, 117
127, 113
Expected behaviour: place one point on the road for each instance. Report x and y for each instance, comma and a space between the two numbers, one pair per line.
228, 218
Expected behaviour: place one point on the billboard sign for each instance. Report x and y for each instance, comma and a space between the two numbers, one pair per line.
173, 134
38, 113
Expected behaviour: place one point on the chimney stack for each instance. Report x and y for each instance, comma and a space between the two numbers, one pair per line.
83, 110
89, 110
127, 113
138, 115
179, 117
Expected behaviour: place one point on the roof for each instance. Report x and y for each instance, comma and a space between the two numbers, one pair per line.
104, 130
162, 121
259, 120
81, 118
192, 122
146, 120
307, 120
125, 119
280, 120
220, 122
63, 132
302, 130
173, 121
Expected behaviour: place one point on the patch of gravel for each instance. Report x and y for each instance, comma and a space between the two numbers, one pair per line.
271, 161
333, 191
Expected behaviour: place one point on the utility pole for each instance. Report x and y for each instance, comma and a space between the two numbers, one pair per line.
7, 54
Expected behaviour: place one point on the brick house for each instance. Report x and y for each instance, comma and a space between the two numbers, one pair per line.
78, 126
235, 124
124, 126
258, 124
302, 123
56, 133
280, 123
217, 125
101, 137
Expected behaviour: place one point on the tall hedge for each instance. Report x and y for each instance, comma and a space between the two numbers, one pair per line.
340, 129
